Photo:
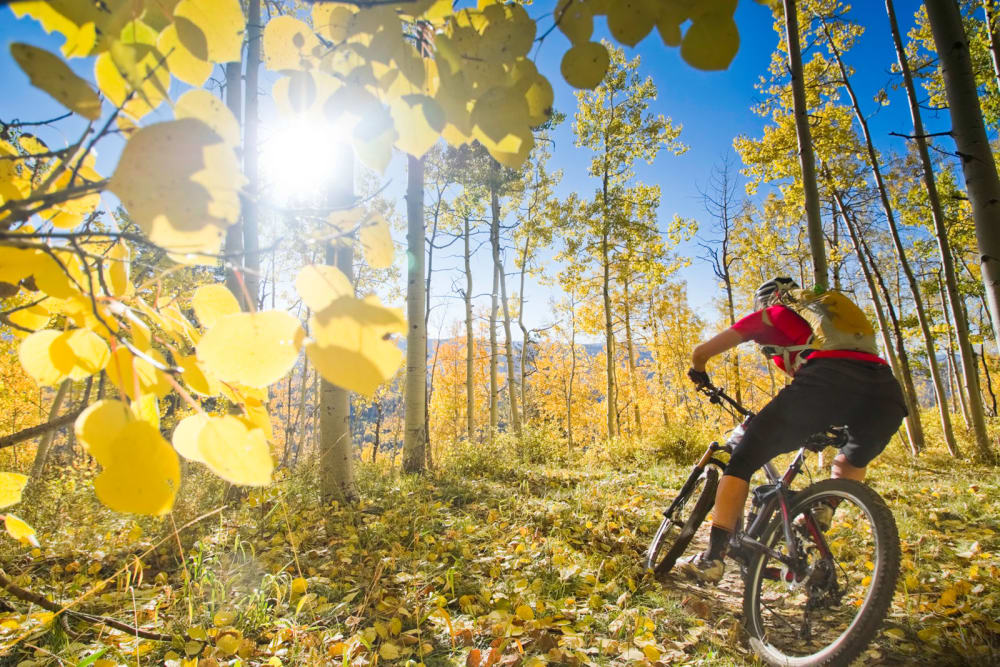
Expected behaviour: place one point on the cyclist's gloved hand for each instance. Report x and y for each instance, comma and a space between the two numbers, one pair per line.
700, 378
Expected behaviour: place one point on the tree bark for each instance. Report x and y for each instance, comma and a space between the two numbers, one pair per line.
470, 388
954, 381
897, 244
336, 441
807, 160
609, 334
427, 316
416, 341
251, 239
42, 453
972, 403
630, 348
234, 233
572, 368
336, 460
899, 360
994, 37
525, 337
494, 346
978, 166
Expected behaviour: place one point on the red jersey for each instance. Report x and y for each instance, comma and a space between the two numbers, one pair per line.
781, 326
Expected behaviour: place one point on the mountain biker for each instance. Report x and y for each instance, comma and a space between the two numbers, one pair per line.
837, 387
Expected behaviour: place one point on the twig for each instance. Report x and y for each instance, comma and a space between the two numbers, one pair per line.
47, 604
99, 587
949, 133
40, 429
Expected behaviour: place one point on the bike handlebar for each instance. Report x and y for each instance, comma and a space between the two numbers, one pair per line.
717, 395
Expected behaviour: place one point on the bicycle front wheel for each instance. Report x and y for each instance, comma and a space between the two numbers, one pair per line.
827, 607
678, 528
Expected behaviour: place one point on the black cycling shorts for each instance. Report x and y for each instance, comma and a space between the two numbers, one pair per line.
864, 396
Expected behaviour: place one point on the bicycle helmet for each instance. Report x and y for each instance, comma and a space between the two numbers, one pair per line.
770, 292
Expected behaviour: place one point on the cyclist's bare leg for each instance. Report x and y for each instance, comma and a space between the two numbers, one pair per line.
730, 498
842, 468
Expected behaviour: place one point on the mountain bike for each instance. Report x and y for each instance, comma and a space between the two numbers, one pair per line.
811, 597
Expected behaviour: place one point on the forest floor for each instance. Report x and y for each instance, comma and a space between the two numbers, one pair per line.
481, 563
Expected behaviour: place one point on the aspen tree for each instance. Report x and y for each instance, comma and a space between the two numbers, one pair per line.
971, 397
969, 131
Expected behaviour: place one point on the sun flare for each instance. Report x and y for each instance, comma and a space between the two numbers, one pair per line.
301, 159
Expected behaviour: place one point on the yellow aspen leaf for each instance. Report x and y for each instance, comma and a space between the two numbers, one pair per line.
126, 370
99, 425
631, 20
514, 159
19, 263
206, 107
320, 285
651, 652
258, 417
929, 634
178, 324
345, 220
11, 486
234, 452
388, 651
141, 473
133, 65
299, 585
196, 379
525, 613
228, 644
585, 64
576, 20
255, 349
211, 302
49, 73
351, 346
501, 119
119, 268
183, 64
419, 120
223, 618
20, 530
173, 183
669, 26
77, 21
147, 408
373, 139
711, 42
333, 21
211, 29
185, 438
288, 43
540, 98
376, 242
46, 363
89, 352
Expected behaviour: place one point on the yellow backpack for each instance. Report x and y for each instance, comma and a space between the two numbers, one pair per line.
837, 323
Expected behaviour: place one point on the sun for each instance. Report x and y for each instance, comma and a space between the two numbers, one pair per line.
302, 158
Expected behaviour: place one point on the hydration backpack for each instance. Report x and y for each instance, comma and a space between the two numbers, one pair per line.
837, 323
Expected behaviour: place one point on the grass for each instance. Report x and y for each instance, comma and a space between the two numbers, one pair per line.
520, 564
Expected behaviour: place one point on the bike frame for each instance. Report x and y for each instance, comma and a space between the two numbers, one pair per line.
771, 497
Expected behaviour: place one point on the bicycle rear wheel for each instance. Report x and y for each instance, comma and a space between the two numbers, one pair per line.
678, 528
826, 610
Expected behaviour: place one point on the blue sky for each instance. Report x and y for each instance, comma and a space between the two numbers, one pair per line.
712, 107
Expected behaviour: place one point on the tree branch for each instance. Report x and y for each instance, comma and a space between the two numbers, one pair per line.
49, 605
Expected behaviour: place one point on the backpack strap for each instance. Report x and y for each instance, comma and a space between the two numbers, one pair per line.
785, 352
